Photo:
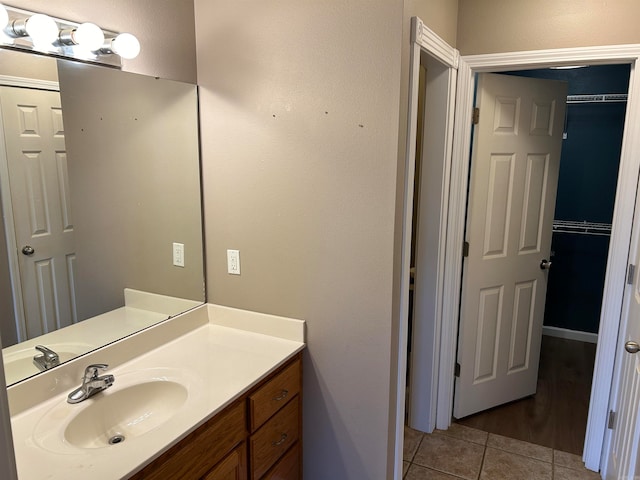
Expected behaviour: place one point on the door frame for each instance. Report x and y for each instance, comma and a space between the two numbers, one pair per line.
423, 40
620, 235
7, 206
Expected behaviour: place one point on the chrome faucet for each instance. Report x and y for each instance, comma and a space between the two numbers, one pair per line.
91, 383
48, 358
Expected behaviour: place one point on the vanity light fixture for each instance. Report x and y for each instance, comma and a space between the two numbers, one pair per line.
40, 33
125, 45
42, 29
4, 17
88, 36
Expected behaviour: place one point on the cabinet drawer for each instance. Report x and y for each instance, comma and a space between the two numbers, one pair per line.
269, 398
288, 468
276, 436
233, 467
199, 451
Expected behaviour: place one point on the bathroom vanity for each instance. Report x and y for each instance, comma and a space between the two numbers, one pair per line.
214, 393
262, 429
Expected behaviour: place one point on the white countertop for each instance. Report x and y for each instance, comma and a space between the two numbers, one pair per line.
219, 363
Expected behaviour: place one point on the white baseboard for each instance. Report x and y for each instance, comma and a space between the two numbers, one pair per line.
570, 334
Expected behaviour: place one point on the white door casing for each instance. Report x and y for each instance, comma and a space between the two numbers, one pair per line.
624, 441
37, 166
514, 175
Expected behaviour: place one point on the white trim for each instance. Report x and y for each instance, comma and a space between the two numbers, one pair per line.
431, 215
433, 45
622, 220
454, 241
10, 81
570, 334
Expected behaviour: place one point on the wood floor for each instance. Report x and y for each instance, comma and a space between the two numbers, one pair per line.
556, 416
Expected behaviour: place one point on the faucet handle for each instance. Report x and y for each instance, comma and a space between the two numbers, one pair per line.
49, 355
92, 370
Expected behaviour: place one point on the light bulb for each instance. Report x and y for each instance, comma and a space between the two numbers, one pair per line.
42, 29
4, 17
88, 36
126, 45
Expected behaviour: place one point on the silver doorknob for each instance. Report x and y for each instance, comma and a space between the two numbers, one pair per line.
632, 347
545, 264
28, 250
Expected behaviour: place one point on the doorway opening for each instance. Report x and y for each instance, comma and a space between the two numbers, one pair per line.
556, 416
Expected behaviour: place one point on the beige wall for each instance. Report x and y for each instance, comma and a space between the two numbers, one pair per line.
165, 30
299, 105
490, 26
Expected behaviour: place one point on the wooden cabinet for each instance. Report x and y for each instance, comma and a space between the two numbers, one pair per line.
288, 468
257, 437
234, 467
194, 456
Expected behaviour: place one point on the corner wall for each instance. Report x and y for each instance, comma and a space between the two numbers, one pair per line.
299, 111
492, 26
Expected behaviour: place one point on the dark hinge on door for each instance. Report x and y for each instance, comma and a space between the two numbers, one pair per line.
465, 249
456, 372
631, 272
612, 420
476, 115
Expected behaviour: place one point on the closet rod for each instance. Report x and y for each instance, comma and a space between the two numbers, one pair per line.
598, 98
582, 228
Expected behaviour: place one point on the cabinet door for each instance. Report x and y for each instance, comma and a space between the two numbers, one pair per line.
288, 467
233, 467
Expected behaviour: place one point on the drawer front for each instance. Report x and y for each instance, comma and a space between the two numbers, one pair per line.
288, 468
269, 443
198, 452
234, 467
272, 396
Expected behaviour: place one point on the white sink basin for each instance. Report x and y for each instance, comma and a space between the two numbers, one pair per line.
18, 364
135, 405
125, 414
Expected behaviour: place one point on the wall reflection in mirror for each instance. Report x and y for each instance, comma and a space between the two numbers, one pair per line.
100, 190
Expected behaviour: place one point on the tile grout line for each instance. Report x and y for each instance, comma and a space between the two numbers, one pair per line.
484, 454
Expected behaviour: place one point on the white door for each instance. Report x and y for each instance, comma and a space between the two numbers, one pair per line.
37, 164
625, 438
514, 176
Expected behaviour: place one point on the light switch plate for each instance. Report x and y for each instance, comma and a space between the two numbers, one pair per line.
233, 262
178, 254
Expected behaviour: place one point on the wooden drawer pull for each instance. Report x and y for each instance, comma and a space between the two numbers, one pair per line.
282, 395
283, 439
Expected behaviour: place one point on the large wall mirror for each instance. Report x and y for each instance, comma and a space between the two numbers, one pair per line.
100, 189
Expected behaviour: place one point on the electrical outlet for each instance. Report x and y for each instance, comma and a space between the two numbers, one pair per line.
178, 254
233, 262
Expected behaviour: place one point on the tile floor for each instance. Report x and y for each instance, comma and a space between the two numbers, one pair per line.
466, 453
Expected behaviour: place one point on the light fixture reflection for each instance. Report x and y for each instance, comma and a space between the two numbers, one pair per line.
125, 45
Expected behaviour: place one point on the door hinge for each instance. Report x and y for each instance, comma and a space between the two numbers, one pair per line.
612, 420
456, 371
631, 272
476, 115
465, 249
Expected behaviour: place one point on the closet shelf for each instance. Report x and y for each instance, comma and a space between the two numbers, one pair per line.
597, 98
582, 228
